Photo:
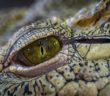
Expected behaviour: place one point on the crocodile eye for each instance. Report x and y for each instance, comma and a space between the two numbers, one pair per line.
39, 51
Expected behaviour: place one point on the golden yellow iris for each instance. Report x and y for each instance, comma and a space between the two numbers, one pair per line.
41, 50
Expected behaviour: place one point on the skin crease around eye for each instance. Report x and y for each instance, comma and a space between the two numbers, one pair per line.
40, 51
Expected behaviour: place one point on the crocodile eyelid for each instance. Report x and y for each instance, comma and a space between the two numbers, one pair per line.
38, 70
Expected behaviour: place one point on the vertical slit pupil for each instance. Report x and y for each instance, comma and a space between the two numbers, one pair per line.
42, 50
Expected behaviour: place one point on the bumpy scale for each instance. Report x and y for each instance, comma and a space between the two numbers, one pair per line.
80, 68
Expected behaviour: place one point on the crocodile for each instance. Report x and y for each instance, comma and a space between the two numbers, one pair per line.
59, 57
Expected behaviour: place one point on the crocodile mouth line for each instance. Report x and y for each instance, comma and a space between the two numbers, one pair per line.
90, 40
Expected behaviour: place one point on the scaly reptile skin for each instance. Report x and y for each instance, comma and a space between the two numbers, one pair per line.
81, 68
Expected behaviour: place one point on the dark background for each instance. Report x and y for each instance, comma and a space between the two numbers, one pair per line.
15, 3
26, 3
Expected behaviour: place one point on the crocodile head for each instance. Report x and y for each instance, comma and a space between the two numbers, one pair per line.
56, 58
